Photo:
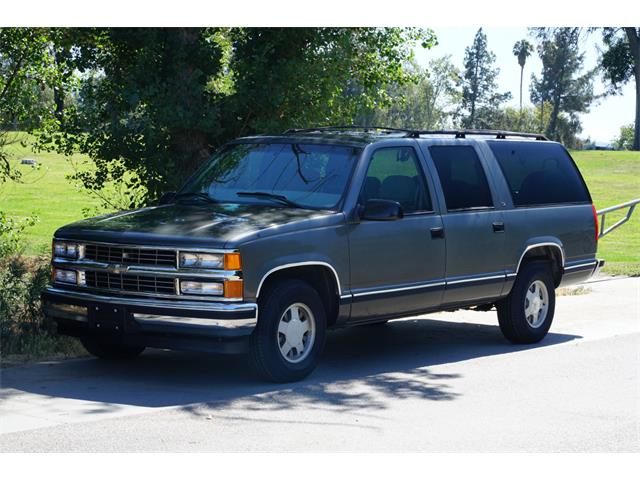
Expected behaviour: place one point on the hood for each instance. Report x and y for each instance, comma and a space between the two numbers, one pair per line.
210, 225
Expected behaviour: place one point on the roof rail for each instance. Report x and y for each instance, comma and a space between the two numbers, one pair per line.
365, 129
499, 134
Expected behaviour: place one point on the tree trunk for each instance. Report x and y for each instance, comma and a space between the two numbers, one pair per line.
521, 74
58, 90
634, 45
553, 120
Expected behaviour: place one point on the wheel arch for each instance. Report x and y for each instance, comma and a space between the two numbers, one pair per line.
320, 275
546, 250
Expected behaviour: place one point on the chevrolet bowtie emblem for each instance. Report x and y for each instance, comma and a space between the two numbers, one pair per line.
117, 269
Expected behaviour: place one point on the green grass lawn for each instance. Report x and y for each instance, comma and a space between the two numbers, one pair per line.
45, 193
613, 177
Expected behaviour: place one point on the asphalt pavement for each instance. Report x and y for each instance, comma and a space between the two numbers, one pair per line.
440, 382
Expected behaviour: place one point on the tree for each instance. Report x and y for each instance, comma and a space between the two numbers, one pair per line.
522, 49
626, 139
620, 62
154, 103
25, 70
480, 98
560, 83
429, 102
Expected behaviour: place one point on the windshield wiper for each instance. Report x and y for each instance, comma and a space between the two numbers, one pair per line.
197, 195
272, 196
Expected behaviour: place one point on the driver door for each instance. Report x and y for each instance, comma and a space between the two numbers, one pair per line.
397, 267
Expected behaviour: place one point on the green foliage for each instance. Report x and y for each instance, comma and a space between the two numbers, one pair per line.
24, 330
25, 70
154, 103
620, 63
560, 83
480, 98
522, 49
11, 231
430, 101
616, 60
625, 140
535, 119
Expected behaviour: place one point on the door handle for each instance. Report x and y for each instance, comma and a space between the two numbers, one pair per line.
498, 226
437, 232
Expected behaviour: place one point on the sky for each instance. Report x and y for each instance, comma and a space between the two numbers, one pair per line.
605, 116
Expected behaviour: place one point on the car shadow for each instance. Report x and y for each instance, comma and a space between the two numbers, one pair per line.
361, 367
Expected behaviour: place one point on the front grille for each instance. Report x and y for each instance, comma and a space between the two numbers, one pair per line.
130, 283
130, 255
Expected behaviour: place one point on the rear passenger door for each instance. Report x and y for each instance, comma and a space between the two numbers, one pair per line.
397, 267
473, 227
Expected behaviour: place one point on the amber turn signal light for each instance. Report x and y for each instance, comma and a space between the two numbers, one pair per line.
232, 261
233, 288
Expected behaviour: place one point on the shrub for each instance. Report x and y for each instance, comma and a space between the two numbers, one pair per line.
11, 234
24, 330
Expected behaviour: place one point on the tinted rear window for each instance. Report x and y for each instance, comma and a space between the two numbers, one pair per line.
539, 173
462, 178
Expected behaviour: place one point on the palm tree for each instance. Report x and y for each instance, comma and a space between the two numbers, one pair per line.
522, 49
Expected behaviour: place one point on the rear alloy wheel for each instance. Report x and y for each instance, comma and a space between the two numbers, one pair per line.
290, 335
526, 314
536, 304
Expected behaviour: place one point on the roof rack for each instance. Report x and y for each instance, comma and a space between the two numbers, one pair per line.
365, 129
499, 134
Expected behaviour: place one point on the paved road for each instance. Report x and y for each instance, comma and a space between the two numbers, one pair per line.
445, 382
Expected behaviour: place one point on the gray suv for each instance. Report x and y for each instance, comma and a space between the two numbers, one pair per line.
279, 238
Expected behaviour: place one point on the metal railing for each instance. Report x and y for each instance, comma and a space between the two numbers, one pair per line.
631, 205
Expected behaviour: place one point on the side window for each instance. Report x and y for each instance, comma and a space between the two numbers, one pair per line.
539, 173
394, 174
461, 176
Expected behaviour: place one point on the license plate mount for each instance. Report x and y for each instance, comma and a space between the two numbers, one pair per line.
109, 319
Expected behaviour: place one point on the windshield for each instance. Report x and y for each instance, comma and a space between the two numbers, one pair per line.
303, 175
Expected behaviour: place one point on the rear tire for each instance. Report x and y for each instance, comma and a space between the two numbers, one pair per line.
525, 315
290, 335
110, 350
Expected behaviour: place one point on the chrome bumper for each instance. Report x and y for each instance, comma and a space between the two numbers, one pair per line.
153, 315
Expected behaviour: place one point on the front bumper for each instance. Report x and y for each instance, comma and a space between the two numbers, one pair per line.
174, 324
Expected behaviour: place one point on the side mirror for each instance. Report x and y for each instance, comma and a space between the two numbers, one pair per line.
167, 197
378, 209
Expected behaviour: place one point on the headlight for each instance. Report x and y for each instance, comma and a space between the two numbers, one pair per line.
65, 276
66, 250
201, 260
227, 261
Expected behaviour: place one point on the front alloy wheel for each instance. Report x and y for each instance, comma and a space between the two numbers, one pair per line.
296, 333
289, 338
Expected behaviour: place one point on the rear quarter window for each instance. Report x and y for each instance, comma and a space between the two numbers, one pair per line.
539, 173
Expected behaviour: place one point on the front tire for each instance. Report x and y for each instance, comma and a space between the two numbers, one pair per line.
289, 338
526, 314
110, 350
